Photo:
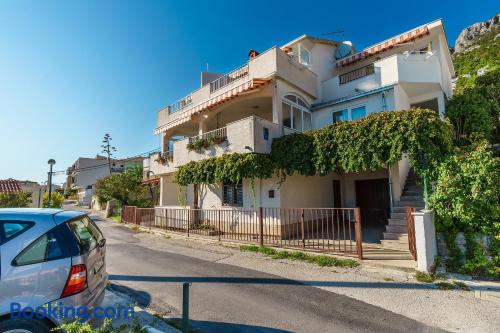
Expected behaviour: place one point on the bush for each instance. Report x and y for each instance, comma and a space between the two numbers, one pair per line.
56, 200
18, 199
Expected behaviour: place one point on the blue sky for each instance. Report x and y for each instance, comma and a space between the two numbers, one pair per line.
71, 71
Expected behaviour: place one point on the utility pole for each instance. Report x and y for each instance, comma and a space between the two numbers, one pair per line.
51, 162
108, 149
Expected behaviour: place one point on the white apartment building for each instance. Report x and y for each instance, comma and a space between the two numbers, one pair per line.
306, 84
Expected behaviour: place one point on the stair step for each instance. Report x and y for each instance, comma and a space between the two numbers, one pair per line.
395, 245
395, 236
412, 188
411, 198
396, 221
412, 203
398, 216
412, 193
392, 228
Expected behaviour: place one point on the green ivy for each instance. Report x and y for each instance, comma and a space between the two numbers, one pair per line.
228, 168
370, 143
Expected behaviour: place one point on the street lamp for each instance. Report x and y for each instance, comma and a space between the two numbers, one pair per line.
51, 162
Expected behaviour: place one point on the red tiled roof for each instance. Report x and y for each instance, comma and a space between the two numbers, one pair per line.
9, 186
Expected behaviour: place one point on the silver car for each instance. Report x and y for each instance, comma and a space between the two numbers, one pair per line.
52, 265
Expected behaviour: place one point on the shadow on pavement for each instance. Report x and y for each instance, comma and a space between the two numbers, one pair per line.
281, 281
142, 298
221, 327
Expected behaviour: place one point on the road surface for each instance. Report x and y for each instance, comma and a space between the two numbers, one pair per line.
227, 298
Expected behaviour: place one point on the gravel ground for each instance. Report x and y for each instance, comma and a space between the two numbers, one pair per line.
397, 291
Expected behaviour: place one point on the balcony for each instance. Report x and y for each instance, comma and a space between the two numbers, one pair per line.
272, 63
409, 68
252, 134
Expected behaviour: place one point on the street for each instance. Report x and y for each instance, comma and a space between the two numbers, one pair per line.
227, 298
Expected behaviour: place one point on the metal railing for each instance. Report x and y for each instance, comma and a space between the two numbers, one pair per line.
229, 78
356, 74
180, 104
219, 134
336, 230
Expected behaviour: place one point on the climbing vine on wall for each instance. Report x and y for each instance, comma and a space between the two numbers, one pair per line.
228, 168
370, 143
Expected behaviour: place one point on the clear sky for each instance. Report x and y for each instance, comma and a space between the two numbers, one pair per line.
71, 71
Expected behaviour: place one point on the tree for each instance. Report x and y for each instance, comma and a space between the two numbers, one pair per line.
17, 199
124, 187
470, 115
69, 192
488, 85
56, 200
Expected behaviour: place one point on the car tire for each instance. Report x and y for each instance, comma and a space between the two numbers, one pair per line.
24, 326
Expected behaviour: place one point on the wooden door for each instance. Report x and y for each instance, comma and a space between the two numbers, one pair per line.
337, 199
372, 197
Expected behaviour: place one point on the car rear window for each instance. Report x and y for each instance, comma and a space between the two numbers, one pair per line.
87, 233
11, 229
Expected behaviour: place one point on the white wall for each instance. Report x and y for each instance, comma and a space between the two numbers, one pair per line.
313, 192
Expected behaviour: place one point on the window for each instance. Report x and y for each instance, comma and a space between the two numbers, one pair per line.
304, 55
11, 229
43, 249
232, 194
358, 112
340, 115
349, 113
86, 232
296, 113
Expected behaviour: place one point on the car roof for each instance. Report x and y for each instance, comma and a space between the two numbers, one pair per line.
59, 215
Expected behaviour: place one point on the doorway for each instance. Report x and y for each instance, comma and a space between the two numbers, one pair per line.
372, 198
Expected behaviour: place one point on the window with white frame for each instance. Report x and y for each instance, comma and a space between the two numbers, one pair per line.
351, 113
296, 113
304, 55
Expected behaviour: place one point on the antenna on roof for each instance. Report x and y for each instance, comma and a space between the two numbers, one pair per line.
334, 33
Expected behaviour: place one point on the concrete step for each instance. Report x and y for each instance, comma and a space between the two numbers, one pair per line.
412, 193
405, 198
412, 188
392, 228
402, 209
410, 203
395, 236
395, 245
397, 221
398, 216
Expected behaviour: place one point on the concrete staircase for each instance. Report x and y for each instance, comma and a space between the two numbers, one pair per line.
396, 233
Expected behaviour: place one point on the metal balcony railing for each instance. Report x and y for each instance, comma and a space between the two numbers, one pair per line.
356, 74
218, 134
229, 78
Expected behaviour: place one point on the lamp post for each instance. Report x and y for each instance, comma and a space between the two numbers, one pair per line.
51, 162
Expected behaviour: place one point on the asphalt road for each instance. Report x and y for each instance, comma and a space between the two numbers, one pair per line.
226, 298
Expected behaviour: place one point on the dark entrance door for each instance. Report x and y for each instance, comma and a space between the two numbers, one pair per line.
372, 197
337, 200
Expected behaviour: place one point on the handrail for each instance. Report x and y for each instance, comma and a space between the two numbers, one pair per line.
356, 74
220, 133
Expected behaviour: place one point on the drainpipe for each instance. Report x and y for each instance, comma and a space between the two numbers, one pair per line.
391, 202
384, 104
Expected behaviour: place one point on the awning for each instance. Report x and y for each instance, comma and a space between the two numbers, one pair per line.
384, 46
212, 103
151, 181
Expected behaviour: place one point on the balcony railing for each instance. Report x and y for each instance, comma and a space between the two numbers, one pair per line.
180, 104
219, 134
229, 78
356, 74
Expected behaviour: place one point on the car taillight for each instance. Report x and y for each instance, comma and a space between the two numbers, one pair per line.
77, 281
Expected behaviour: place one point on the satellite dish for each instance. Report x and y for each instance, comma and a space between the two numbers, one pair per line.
343, 50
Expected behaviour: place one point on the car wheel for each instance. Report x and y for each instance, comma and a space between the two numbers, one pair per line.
24, 326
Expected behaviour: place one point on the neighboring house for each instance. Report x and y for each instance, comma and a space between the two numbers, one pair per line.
10, 186
306, 84
33, 188
85, 172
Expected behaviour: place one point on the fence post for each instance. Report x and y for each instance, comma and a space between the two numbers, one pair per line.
303, 238
189, 221
218, 224
121, 214
261, 227
359, 236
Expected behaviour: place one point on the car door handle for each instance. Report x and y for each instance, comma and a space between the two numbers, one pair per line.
102, 242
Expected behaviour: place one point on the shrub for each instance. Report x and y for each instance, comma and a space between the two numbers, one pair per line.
445, 285
17, 199
56, 200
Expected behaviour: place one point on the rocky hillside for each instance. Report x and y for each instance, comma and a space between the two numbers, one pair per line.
470, 35
477, 51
